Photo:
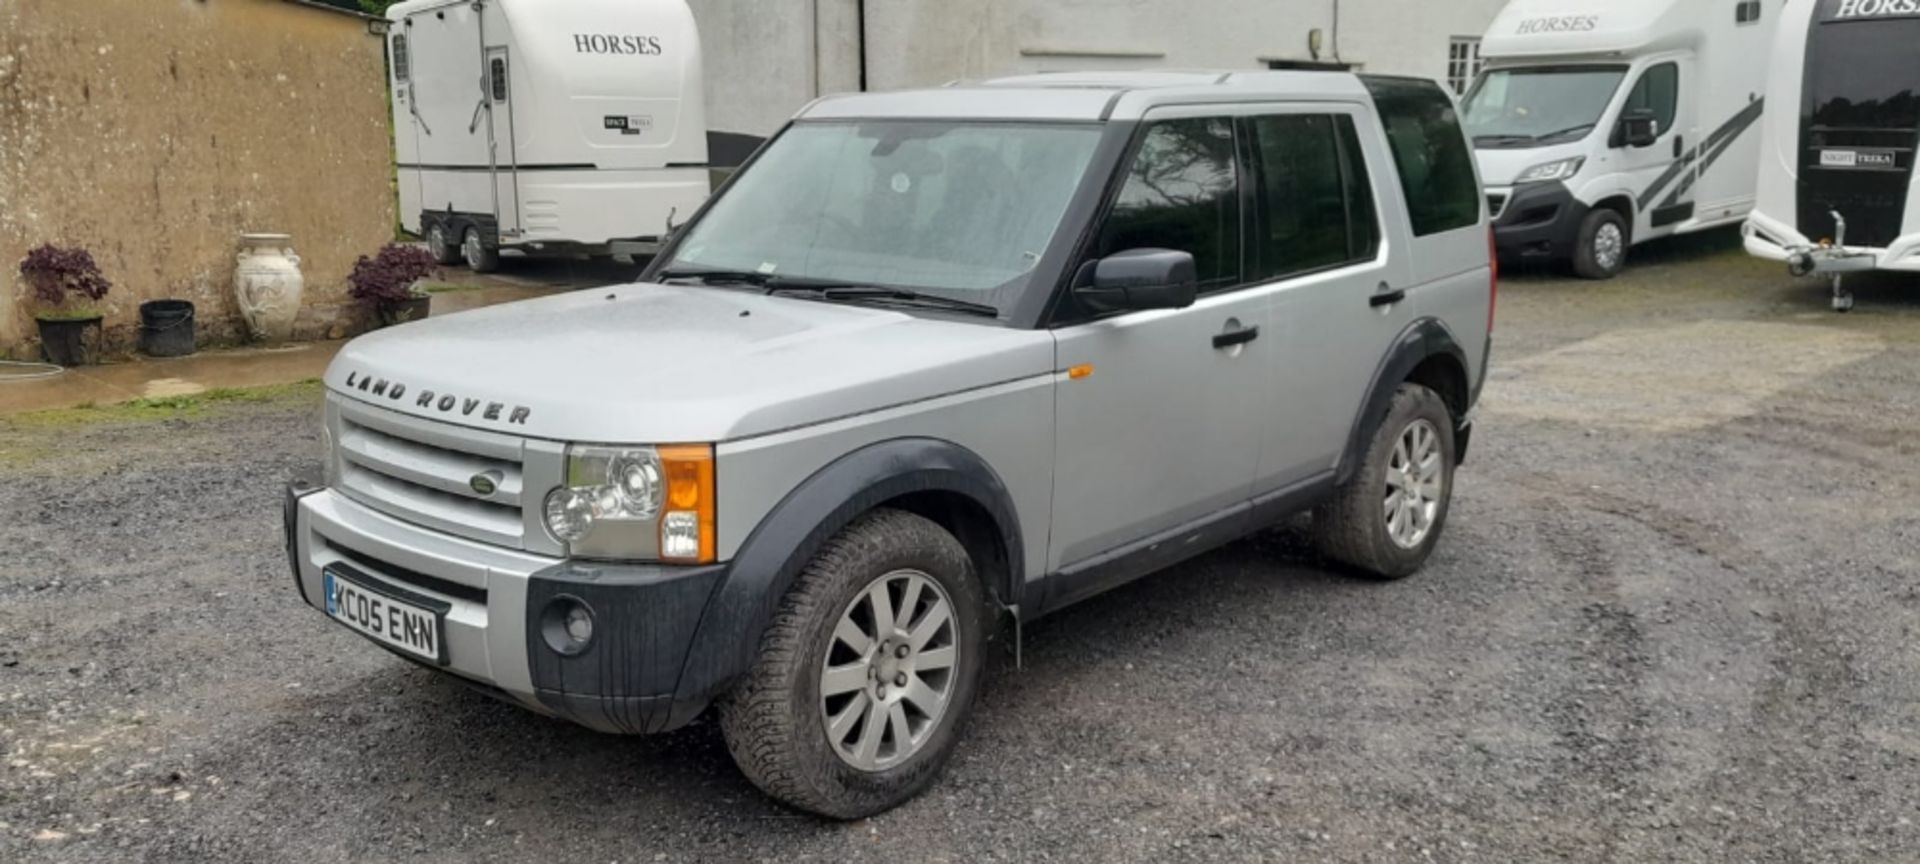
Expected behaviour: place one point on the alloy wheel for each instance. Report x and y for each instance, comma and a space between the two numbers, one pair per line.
1416, 482
889, 672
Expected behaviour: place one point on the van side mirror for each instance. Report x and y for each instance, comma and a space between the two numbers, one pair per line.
1140, 279
1638, 128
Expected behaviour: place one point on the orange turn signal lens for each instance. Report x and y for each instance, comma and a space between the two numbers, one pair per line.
689, 504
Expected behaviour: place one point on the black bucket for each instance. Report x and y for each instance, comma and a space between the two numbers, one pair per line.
166, 328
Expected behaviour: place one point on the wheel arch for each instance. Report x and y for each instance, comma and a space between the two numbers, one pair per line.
1424, 353
1621, 203
939, 480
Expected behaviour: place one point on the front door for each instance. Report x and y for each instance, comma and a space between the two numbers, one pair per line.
497, 81
1158, 413
1665, 171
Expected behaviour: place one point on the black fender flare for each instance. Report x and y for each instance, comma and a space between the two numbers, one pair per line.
728, 637
1421, 340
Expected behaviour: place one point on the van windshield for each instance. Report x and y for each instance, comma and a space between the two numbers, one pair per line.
955, 210
1518, 108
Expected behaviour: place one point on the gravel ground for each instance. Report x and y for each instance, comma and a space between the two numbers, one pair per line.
1673, 619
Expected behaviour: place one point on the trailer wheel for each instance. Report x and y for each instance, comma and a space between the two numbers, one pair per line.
1601, 252
480, 257
444, 250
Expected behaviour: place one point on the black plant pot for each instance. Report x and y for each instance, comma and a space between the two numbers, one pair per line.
410, 309
70, 342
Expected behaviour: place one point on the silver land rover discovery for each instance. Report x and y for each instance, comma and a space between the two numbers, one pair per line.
931, 362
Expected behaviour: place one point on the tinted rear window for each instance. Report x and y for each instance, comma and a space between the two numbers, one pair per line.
1430, 151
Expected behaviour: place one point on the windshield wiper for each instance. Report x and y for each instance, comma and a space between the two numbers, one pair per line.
1567, 131
887, 294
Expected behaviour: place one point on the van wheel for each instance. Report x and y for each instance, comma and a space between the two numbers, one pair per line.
867, 674
1388, 517
1601, 252
440, 243
480, 257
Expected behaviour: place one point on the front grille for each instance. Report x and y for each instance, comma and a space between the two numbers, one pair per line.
422, 472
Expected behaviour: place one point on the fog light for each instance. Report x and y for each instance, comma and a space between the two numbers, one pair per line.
567, 625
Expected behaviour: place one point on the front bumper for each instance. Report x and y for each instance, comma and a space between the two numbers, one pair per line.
1537, 221
645, 616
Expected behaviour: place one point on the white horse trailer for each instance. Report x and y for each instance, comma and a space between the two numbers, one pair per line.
1603, 125
551, 126
1838, 189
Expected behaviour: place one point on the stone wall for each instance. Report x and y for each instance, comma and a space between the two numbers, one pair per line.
154, 132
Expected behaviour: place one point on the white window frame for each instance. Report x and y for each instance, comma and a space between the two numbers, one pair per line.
1463, 63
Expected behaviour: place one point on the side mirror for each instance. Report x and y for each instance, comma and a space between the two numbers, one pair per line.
1639, 128
1140, 279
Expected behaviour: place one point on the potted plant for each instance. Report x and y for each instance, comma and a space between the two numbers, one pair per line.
389, 282
65, 286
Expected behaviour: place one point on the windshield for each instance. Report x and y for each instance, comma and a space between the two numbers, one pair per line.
1536, 107
956, 210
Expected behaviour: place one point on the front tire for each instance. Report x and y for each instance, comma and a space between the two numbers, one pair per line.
440, 244
867, 674
1601, 251
1388, 517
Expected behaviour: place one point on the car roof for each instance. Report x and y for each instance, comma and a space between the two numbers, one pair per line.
1087, 96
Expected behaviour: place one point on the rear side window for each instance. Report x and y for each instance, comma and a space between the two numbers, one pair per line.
1658, 93
1313, 196
1430, 151
1181, 194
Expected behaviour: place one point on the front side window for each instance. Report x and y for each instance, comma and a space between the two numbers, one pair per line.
1657, 93
1181, 193
1534, 107
1313, 196
962, 210
1430, 152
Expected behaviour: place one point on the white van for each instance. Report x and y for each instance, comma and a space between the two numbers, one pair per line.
1598, 126
555, 126
1838, 190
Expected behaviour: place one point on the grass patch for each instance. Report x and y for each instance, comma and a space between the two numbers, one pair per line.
168, 407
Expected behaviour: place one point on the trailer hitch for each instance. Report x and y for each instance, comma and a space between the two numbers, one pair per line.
1834, 260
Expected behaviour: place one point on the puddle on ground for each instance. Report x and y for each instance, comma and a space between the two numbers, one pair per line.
160, 388
1673, 378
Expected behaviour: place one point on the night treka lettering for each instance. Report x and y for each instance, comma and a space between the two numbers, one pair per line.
597, 43
443, 402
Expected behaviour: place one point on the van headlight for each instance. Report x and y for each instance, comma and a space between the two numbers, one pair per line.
636, 503
1562, 169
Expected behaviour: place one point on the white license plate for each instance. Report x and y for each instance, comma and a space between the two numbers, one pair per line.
1839, 158
399, 619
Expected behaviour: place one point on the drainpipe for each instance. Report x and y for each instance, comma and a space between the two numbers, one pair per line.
1336, 32
860, 24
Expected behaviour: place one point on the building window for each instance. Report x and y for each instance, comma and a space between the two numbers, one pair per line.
1463, 62
400, 63
1748, 12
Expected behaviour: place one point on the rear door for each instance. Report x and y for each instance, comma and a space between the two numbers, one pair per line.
1320, 254
500, 153
450, 109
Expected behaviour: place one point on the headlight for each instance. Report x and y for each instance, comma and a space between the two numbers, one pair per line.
636, 503
1561, 170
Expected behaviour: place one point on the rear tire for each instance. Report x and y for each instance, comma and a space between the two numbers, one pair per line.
440, 244
1601, 251
798, 724
480, 257
1389, 515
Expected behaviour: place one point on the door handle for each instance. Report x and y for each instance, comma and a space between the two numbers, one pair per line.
1387, 296
1679, 145
1231, 338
